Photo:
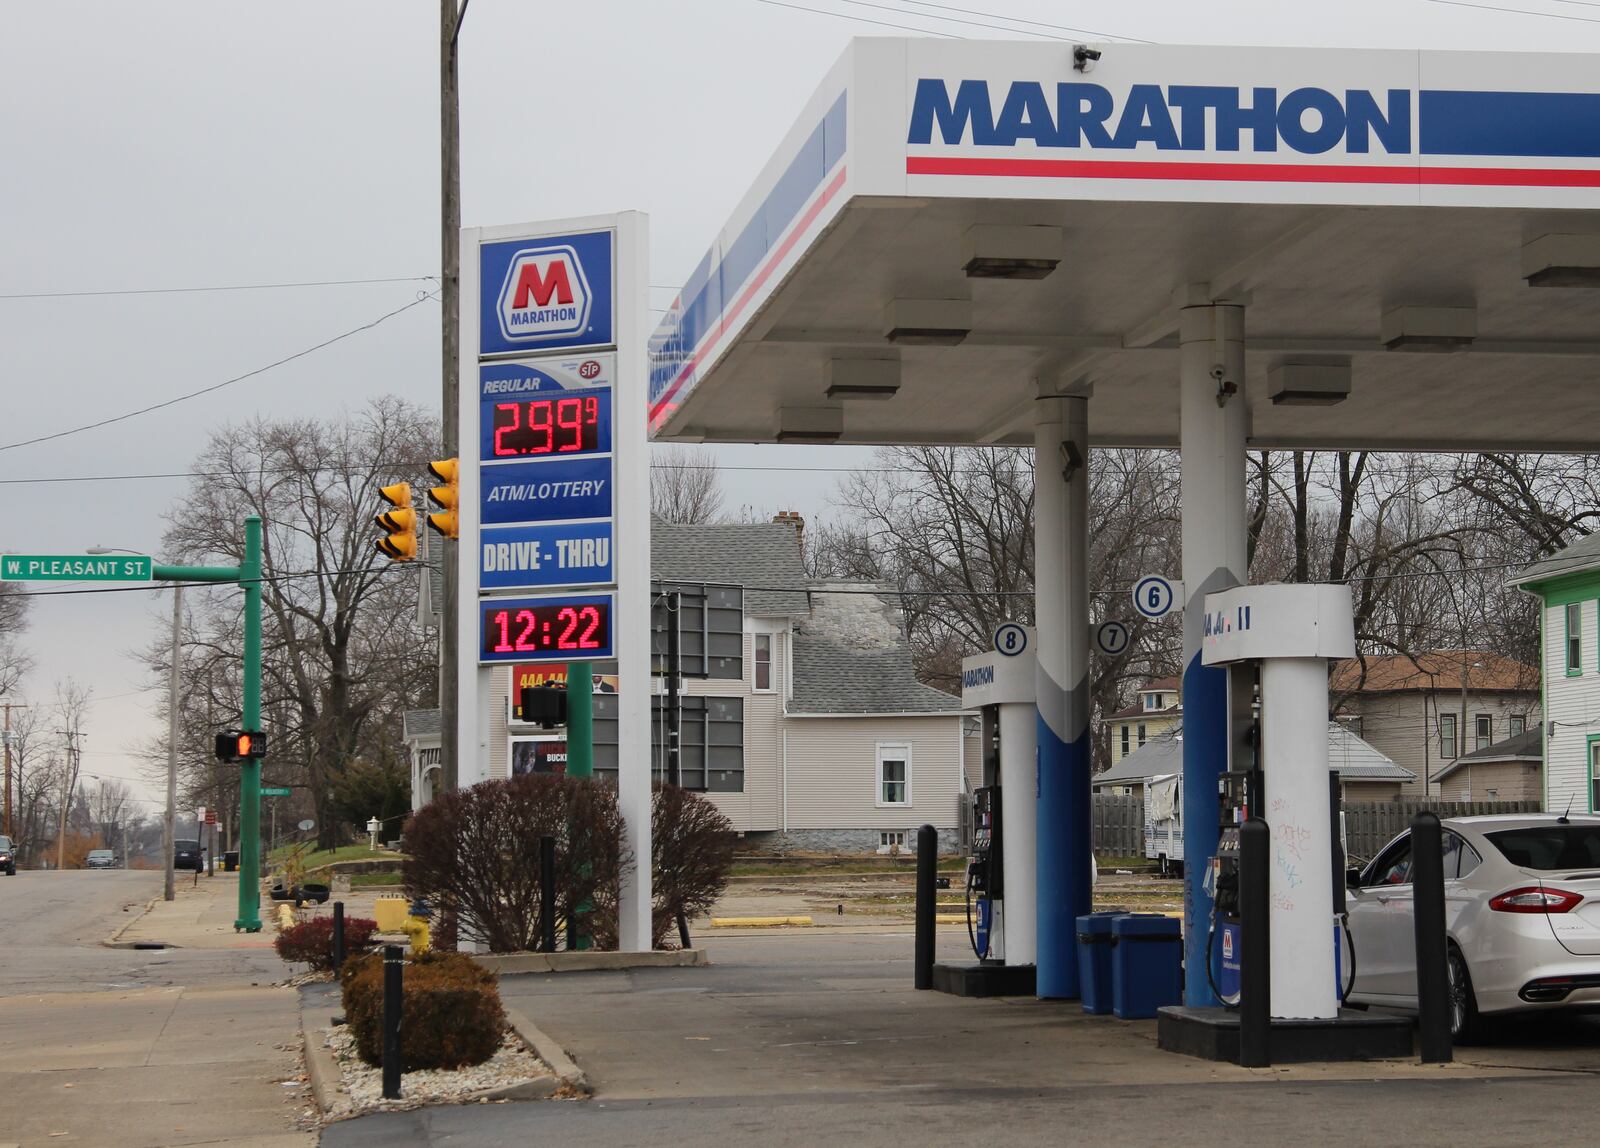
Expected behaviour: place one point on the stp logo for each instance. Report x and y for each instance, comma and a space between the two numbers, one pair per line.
545, 295
589, 370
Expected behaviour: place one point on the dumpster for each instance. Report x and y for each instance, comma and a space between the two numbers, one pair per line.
1146, 964
230, 861
1094, 960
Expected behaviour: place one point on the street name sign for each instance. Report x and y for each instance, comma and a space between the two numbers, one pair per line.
76, 568
274, 791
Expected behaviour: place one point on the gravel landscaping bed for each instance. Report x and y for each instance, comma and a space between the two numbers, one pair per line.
361, 1090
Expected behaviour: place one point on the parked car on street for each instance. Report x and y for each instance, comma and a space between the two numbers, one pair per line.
1522, 914
101, 859
8, 857
188, 855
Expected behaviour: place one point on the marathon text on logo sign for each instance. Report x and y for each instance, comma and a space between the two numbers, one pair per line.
546, 491
570, 554
1178, 117
545, 294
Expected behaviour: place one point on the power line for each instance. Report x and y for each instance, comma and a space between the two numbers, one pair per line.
1040, 23
1517, 11
858, 19
219, 287
225, 383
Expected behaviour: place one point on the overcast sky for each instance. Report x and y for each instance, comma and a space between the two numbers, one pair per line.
215, 143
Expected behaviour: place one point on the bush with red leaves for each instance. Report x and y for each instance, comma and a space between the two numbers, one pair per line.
311, 942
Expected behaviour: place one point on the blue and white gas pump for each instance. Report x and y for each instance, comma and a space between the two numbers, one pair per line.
1002, 874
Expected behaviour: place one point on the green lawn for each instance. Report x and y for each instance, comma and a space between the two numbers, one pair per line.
379, 880
327, 856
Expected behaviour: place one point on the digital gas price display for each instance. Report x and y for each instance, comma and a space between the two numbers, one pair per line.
529, 412
553, 628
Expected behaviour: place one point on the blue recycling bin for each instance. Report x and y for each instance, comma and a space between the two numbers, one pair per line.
1146, 964
1094, 960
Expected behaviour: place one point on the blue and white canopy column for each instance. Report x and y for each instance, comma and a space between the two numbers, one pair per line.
1213, 425
1061, 615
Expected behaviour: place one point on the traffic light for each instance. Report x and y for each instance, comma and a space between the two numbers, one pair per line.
401, 523
241, 745
545, 705
447, 521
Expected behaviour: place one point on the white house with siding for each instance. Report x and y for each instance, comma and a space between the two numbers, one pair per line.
826, 742
1567, 585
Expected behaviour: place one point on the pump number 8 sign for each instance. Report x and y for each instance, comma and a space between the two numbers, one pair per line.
1010, 639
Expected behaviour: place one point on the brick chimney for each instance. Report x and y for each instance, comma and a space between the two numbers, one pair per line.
795, 519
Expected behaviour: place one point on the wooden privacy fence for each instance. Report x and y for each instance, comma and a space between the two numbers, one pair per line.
1118, 825
1370, 825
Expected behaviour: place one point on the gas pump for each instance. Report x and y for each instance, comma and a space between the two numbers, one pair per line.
1001, 883
1276, 642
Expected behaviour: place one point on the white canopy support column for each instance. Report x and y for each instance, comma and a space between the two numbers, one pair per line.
1213, 425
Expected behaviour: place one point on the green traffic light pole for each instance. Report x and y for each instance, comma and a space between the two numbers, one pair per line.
248, 575
580, 763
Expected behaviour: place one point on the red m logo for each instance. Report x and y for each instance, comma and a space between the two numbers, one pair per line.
554, 282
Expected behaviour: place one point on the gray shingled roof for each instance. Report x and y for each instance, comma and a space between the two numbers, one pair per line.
1349, 756
421, 723
851, 656
763, 557
1584, 554
1527, 747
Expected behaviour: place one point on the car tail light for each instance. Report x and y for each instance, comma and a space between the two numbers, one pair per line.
1536, 899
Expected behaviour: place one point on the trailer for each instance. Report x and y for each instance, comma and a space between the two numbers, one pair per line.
1163, 822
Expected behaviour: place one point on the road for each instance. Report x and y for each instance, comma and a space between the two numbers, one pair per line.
129, 1048
51, 926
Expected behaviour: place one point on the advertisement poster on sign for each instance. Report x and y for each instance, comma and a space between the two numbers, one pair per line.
528, 674
538, 755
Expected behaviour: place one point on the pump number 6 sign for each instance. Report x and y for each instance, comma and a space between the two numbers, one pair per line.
1156, 597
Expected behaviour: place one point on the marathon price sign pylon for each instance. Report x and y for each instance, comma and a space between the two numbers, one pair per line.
554, 557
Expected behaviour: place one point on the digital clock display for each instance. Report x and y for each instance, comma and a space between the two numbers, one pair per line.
554, 425
519, 629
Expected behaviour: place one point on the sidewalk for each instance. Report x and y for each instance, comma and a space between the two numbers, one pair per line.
201, 917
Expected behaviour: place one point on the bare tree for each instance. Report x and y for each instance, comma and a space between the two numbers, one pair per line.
685, 485
71, 709
14, 660
344, 652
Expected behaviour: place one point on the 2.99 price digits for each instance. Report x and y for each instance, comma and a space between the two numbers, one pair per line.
547, 426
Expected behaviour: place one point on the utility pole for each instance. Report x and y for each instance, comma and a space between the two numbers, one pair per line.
450, 353
169, 831
6, 738
68, 784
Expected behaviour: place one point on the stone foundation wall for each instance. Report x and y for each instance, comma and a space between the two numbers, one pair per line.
838, 841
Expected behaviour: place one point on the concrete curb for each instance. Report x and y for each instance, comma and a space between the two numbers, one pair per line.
322, 1071
114, 938
570, 1076
587, 962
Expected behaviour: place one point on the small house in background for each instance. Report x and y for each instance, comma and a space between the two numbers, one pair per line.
1510, 770
1409, 707
1567, 585
1155, 711
813, 732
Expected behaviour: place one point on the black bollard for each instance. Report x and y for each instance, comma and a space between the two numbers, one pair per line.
1427, 895
338, 936
927, 896
393, 970
547, 894
1255, 946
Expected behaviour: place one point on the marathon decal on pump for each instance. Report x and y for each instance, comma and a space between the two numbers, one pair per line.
546, 491
569, 554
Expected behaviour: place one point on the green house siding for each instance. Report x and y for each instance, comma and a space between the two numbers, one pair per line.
1583, 586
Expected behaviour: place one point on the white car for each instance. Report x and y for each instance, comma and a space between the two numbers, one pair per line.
1522, 911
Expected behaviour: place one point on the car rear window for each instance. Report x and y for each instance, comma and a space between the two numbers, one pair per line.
1550, 847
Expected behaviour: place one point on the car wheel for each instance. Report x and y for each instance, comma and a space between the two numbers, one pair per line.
1465, 1023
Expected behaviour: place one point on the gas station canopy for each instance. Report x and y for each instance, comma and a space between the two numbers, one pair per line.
951, 228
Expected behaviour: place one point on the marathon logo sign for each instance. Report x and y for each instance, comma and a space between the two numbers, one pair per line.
1177, 118
575, 554
549, 491
977, 676
546, 293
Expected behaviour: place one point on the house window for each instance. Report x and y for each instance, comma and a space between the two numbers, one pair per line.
1484, 733
892, 841
1152, 701
1124, 741
1141, 735
1518, 725
1575, 638
894, 774
1447, 736
763, 670
1353, 724
1594, 776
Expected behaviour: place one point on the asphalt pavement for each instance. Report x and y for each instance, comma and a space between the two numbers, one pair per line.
805, 1038
132, 1048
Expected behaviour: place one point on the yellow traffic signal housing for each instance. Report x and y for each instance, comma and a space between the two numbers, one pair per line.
400, 523
447, 521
